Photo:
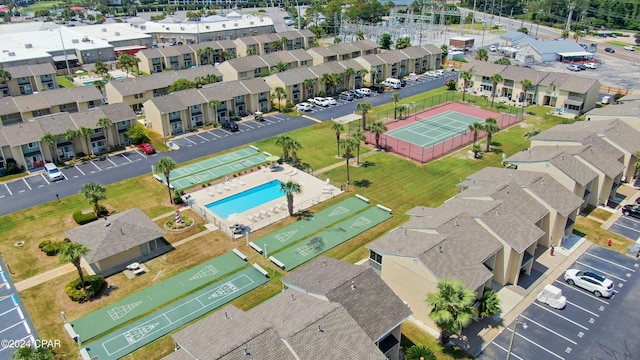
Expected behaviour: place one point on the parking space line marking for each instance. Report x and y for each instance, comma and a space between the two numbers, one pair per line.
634, 229
505, 350
114, 164
608, 261
202, 137
214, 134
10, 193
600, 271
82, 172
142, 154
540, 346
189, 140
577, 289
257, 123
583, 309
45, 179
247, 125
26, 183
126, 157
560, 316
549, 330
94, 164
226, 132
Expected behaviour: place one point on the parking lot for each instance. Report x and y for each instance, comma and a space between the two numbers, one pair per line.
627, 226
588, 327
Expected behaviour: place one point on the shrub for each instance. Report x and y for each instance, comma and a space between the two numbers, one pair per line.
53, 248
103, 210
82, 219
76, 293
177, 200
44, 243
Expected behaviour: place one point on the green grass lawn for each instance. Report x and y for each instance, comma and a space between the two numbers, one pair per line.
45, 5
63, 82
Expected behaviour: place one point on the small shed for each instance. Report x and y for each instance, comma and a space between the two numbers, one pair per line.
462, 42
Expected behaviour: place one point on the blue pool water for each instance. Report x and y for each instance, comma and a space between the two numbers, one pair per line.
89, 83
247, 199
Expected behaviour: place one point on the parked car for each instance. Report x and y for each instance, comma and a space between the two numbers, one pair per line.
493, 48
356, 94
630, 48
573, 68
365, 91
53, 173
590, 281
403, 83
303, 106
319, 101
258, 116
289, 22
591, 65
231, 126
581, 66
331, 101
147, 148
631, 210
609, 50
439, 73
346, 96
377, 88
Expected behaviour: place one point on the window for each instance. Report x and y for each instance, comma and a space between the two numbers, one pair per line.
375, 257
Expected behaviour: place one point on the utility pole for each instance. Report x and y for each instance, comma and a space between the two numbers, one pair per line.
473, 18
571, 7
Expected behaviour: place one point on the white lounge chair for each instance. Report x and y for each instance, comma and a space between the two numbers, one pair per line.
218, 189
210, 192
271, 209
241, 182
226, 187
284, 206
295, 172
250, 218
233, 183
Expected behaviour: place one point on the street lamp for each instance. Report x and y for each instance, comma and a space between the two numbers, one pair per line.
513, 335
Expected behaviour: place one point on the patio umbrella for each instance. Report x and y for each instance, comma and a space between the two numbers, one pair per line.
273, 158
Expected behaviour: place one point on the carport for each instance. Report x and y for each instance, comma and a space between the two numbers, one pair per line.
575, 56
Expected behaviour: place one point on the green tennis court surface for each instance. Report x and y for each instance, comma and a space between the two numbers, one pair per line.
211, 163
435, 129
303, 228
313, 246
149, 328
217, 172
116, 314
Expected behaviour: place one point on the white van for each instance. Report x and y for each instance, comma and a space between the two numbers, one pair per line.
392, 83
53, 173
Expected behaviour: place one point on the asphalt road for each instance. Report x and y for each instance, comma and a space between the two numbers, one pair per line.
36, 189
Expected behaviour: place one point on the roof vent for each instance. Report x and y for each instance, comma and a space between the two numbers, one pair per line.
440, 249
117, 33
104, 29
250, 22
11, 53
75, 41
143, 27
224, 25
353, 285
107, 223
28, 46
182, 28
246, 351
207, 27
235, 24
320, 329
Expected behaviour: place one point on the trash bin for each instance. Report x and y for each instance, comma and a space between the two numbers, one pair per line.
633, 251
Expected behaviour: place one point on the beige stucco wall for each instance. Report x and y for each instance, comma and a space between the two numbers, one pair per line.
119, 259
114, 95
145, 63
154, 117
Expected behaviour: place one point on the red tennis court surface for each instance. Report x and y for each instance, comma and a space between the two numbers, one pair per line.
425, 154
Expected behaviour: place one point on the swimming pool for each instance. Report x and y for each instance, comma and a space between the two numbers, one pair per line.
247, 199
89, 83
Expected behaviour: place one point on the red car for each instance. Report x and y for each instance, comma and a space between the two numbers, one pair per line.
147, 148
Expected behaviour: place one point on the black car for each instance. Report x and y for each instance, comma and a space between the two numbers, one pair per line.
631, 210
231, 126
609, 50
582, 67
377, 88
403, 83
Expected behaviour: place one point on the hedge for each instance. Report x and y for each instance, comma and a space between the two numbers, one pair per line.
53, 248
96, 283
81, 218
44, 243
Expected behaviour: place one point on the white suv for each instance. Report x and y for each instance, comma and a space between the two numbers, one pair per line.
630, 48
592, 282
303, 106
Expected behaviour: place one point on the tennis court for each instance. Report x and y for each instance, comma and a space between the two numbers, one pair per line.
219, 171
435, 129
315, 245
211, 163
129, 308
149, 328
303, 228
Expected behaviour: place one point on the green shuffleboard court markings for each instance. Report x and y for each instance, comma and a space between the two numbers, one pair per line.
129, 308
219, 171
436, 129
317, 244
134, 336
210, 163
303, 228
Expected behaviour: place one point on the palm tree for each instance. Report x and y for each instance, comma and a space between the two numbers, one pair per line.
294, 146
125, 62
359, 35
93, 193
310, 84
69, 136
490, 127
578, 35
279, 93
419, 352
526, 85
452, 308
284, 42
396, 99
73, 253
327, 80
565, 34
378, 127
348, 73
466, 76
227, 55
105, 124
101, 68
289, 188
476, 149
4, 76
495, 79
165, 166
29, 353
336, 80
364, 107
489, 304
482, 55
531, 133
51, 140
280, 66
100, 84
85, 133
360, 137
636, 176
363, 73
348, 145
475, 128
284, 141
214, 103
338, 128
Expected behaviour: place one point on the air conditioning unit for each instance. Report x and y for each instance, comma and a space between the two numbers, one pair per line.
104, 29
182, 28
207, 27
117, 33
11, 53
143, 27
224, 25
250, 22
75, 41
235, 24
28, 46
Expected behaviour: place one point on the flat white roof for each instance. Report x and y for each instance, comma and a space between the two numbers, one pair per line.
112, 32
576, 53
462, 38
247, 21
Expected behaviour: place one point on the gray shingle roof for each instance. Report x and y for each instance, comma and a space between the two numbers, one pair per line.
295, 76
30, 70
248, 63
127, 230
8, 106
372, 59
564, 161
24, 133
626, 109
393, 56
301, 55
161, 80
516, 231
603, 156
254, 86
56, 124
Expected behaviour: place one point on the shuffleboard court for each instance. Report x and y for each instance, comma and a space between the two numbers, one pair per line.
303, 228
211, 163
129, 308
218, 172
305, 250
134, 336
435, 129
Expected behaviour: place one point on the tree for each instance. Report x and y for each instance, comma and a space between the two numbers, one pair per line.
101, 68
165, 166
214, 103
4, 76
476, 149
526, 85
364, 107
100, 84
294, 146
360, 137
403, 42
523, 30
284, 42
466, 77
445, 51
310, 84
182, 84
396, 100
378, 127
490, 127
578, 35
336, 80
69, 136
126, 61
85, 133
289, 188
284, 142
451, 84
482, 55
73, 253
636, 176
495, 79
363, 72
565, 34
105, 124
280, 66
475, 129
206, 52
51, 141
385, 41
419, 352
279, 93
359, 35
338, 128
348, 145
39, 353
531, 133
503, 61
452, 308
348, 73
489, 304
94, 193
327, 80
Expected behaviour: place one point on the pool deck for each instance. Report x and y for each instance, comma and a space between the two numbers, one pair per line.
314, 191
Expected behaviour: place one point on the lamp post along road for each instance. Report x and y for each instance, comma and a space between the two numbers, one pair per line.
513, 336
